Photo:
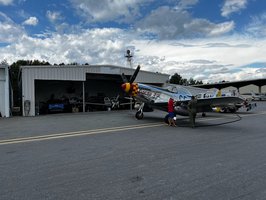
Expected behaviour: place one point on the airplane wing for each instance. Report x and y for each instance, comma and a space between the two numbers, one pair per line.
96, 104
203, 105
206, 105
106, 102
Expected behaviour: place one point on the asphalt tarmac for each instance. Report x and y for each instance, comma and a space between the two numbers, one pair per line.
111, 155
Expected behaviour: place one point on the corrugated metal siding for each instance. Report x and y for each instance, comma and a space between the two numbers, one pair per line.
78, 73
2, 74
2, 91
28, 90
55, 73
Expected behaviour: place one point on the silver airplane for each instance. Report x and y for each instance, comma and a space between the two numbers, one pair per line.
153, 97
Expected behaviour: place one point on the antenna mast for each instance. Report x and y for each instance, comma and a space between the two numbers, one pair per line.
129, 57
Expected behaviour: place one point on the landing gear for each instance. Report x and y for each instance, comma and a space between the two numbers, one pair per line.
203, 114
139, 114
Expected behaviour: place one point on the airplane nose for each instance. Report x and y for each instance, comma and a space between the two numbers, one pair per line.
123, 86
126, 87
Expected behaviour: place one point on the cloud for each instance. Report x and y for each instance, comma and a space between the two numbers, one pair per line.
168, 23
6, 2
204, 27
108, 45
68, 48
186, 4
211, 64
257, 26
232, 6
10, 31
53, 16
165, 22
106, 10
201, 61
208, 45
208, 58
32, 21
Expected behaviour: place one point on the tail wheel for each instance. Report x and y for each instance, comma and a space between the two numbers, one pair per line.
139, 115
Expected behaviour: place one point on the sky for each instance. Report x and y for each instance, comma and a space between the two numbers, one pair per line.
207, 40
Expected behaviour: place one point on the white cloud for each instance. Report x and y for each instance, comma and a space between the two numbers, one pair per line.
32, 21
203, 27
232, 6
6, 2
185, 4
54, 16
96, 46
257, 26
199, 59
210, 60
165, 22
107, 10
170, 23
10, 32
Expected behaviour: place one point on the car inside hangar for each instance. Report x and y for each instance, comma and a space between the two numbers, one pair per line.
59, 89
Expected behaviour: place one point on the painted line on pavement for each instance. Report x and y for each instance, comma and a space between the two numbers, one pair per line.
102, 130
78, 133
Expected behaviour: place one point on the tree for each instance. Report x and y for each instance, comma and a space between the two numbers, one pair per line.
199, 82
14, 76
176, 79
4, 62
191, 81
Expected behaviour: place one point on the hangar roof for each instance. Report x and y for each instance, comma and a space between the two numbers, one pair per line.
78, 72
3, 66
237, 84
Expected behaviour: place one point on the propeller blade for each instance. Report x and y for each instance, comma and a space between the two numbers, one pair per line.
129, 98
124, 78
133, 77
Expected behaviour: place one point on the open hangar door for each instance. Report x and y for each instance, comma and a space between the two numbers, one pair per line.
57, 96
99, 87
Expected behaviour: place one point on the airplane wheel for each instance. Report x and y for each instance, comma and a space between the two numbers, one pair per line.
139, 115
203, 114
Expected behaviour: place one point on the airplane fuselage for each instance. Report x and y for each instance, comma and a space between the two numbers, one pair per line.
158, 98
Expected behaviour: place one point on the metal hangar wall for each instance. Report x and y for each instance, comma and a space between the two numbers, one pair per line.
41, 84
4, 91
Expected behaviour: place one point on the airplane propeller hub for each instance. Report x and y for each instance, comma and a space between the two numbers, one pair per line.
130, 88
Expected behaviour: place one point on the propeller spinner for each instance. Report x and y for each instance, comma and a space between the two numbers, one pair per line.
129, 86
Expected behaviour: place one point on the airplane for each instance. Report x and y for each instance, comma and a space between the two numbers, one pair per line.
109, 103
258, 96
231, 107
153, 97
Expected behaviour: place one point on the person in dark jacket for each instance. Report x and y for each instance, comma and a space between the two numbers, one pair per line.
192, 110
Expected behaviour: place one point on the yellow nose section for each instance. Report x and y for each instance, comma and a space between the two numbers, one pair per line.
126, 87
131, 88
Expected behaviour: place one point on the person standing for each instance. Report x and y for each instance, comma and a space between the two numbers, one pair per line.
171, 114
192, 110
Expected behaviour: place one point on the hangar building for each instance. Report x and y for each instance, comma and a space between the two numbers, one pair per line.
4, 91
76, 83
